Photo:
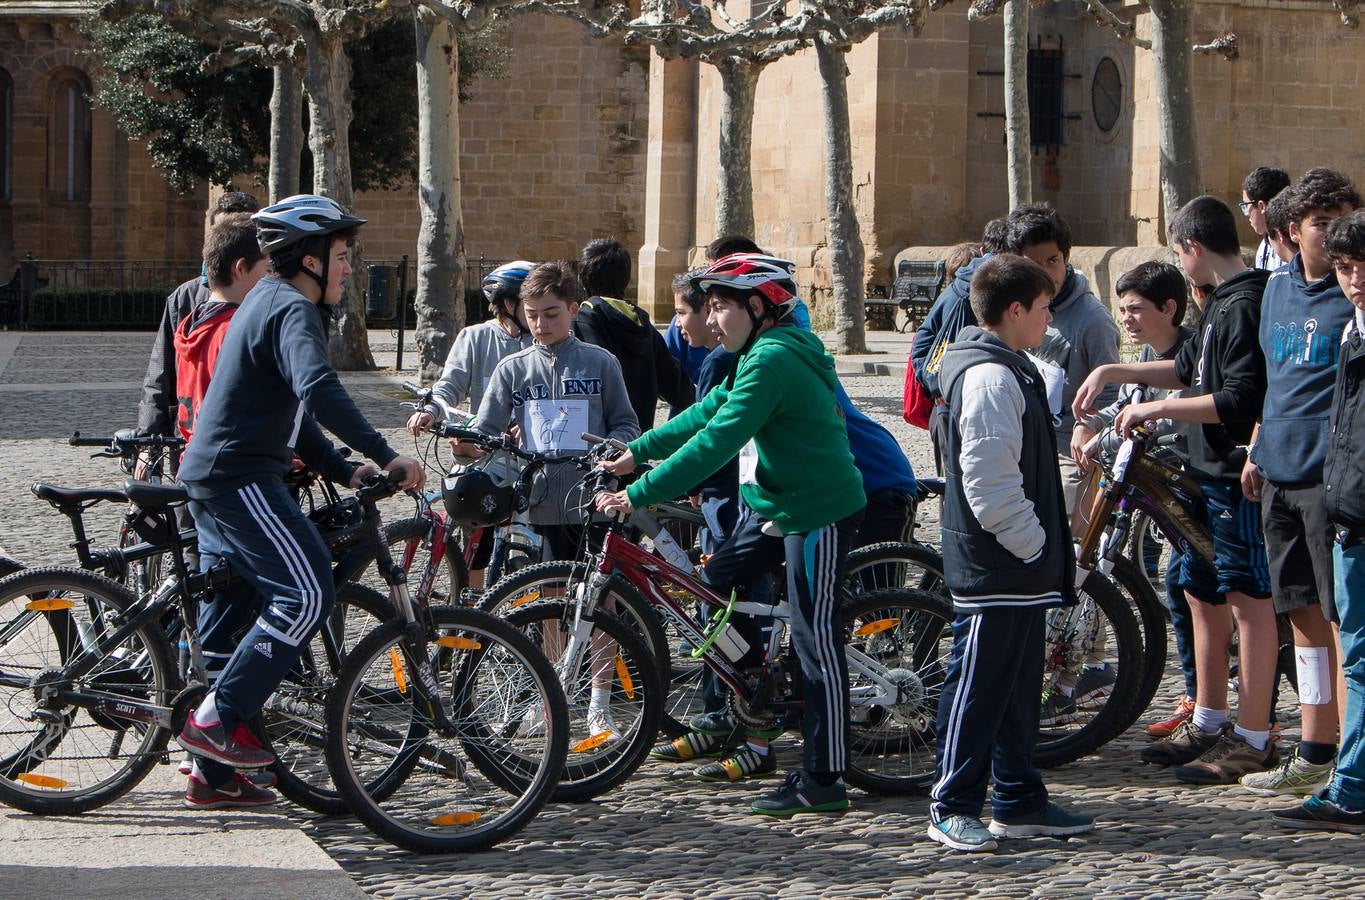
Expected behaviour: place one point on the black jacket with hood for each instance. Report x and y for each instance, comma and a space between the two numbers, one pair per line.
651, 373
1011, 444
1224, 359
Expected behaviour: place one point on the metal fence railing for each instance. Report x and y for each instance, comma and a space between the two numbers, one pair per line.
79, 294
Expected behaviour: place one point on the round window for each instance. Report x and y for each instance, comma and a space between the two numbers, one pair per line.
1106, 94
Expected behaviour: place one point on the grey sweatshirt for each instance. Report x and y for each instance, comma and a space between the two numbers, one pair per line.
1082, 337
476, 353
1139, 393
554, 394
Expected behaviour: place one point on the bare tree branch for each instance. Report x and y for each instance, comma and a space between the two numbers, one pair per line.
1349, 12
1124, 29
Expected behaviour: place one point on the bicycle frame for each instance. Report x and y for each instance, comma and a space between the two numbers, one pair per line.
666, 588
1136, 482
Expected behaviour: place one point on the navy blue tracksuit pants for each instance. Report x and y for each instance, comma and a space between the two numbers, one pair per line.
254, 631
988, 715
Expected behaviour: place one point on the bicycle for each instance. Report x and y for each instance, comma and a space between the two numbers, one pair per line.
283, 723
897, 644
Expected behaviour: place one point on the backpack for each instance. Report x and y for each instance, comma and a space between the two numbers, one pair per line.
917, 400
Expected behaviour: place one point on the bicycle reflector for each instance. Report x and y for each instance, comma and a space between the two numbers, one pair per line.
474, 499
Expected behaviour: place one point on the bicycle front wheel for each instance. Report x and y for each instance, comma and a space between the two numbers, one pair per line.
420, 786
57, 758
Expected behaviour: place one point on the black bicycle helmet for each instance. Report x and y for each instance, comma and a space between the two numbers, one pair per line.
474, 499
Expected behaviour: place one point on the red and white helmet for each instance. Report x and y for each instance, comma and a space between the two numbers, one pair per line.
770, 276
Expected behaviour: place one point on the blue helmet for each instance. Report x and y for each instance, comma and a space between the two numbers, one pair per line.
504, 282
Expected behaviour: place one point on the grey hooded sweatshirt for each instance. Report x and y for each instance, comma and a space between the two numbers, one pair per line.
1082, 337
554, 394
476, 353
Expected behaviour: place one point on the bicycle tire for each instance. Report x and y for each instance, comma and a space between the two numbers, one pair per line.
1152, 620
891, 749
1112, 717
510, 557
292, 725
473, 645
402, 532
551, 582
144, 670
595, 766
894, 564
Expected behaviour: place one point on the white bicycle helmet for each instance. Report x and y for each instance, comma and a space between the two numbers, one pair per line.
284, 224
770, 276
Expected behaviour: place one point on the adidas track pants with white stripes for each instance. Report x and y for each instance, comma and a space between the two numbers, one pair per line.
815, 566
285, 594
988, 715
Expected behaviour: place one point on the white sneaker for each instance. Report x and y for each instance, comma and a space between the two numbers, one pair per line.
599, 722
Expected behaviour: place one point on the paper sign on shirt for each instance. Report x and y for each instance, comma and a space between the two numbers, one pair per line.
556, 425
748, 463
1054, 379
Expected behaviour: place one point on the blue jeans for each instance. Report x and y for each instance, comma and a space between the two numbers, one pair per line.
1348, 784
1182, 626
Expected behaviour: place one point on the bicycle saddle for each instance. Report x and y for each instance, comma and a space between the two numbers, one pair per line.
154, 496
932, 487
74, 496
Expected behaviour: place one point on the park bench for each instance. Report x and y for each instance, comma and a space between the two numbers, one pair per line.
917, 284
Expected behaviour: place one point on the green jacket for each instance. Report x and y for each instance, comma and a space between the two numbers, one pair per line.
781, 398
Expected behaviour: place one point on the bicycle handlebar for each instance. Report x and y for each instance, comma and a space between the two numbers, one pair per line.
126, 443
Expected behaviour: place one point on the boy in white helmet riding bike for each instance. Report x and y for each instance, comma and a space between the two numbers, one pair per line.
271, 382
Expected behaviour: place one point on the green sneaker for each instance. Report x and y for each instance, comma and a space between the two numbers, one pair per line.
965, 833
745, 763
690, 746
715, 724
801, 793
1294, 777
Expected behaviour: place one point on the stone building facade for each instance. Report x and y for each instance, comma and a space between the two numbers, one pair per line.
587, 138
927, 125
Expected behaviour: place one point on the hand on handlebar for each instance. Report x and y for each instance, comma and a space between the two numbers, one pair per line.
621, 465
419, 422
367, 470
616, 502
1133, 415
414, 474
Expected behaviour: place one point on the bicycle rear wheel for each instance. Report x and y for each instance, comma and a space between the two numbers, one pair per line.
894, 564
899, 643
489, 680
59, 758
292, 724
1101, 633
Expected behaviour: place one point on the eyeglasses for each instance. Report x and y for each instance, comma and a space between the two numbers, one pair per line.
1245, 205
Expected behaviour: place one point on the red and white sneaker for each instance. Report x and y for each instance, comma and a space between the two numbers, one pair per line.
241, 749
1184, 708
235, 794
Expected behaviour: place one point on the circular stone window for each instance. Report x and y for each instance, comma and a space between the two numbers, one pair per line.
1106, 94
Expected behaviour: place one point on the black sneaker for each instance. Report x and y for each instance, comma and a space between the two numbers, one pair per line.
1320, 814
237, 793
801, 793
241, 750
1186, 744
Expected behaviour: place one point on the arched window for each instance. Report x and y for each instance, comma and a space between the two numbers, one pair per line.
68, 138
6, 133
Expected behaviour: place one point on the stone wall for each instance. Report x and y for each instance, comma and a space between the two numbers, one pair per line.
131, 213
552, 156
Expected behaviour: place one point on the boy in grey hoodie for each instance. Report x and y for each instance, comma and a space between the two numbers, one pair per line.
1082, 336
552, 392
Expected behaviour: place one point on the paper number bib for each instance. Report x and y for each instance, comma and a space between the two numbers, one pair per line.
556, 425
748, 463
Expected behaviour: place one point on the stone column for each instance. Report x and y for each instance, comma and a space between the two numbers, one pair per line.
670, 181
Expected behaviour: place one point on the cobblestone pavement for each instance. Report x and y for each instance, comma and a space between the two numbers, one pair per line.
663, 834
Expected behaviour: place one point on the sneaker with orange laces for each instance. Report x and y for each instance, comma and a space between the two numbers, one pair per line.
1184, 708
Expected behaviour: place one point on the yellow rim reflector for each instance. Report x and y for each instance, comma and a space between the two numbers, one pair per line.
49, 604
627, 684
451, 642
875, 627
591, 743
528, 598
37, 780
400, 675
462, 818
